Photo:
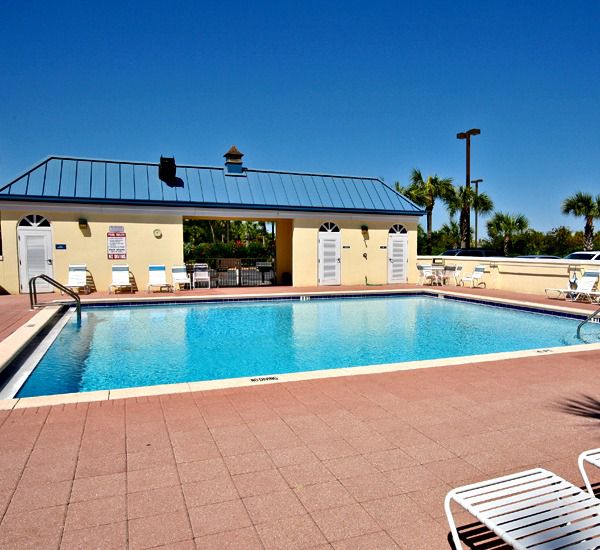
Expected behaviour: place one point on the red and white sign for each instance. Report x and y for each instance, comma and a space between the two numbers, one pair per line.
116, 245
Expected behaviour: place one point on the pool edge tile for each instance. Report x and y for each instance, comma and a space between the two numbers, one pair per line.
61, 399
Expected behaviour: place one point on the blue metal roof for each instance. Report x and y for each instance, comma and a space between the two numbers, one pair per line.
94, 181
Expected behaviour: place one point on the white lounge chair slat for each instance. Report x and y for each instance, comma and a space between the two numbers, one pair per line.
524, 507
577, 540
530, 498
541, 512
560, 532
500, 483
556, 515
511, 490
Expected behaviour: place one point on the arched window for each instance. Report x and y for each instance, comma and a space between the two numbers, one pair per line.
34, 220
329, 227
397, 228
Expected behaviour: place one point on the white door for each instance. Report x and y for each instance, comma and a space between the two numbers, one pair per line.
397, 256
329, 258
35, 256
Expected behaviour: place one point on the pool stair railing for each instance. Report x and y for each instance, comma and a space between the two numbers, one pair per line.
33, 302
593, 317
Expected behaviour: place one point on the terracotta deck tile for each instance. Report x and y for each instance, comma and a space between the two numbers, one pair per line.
42, 495
453, 470
292, 533
391, 459
217, 518
395, 510
422, 534
331, 448
259, 483
90, 488
201, 470
235, 440
350, 466
370, 487
292, 455
92, 466
159, 530
249, 462
210, 491
373, 541
306, 474
150, 457
344, 522
152, 478
154, 502
413, 478
245, 538
324, 495
90, 513
111, 536
273, 506
31, 525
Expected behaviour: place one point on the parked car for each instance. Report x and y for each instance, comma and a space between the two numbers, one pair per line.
584, 255
476, 252
540, 257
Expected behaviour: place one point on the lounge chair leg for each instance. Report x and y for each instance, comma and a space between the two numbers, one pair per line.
451, 523
586, 479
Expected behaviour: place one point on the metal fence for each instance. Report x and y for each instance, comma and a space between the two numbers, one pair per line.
228, 272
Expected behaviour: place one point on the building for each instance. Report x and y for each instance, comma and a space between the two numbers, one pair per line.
330, 230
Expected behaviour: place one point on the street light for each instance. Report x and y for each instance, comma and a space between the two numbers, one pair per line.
476, 182
466, 211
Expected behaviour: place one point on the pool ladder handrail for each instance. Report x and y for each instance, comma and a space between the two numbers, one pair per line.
33, 293
591, 316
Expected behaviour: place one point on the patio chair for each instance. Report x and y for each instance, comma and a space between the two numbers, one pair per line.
120, 279
591, 457
584, 288
201, 274
157, 277
180, 277
77, 278
426, 274
475, 277
530, 509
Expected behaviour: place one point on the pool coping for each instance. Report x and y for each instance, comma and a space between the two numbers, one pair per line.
16, 342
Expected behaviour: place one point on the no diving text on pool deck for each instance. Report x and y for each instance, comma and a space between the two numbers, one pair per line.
263, 378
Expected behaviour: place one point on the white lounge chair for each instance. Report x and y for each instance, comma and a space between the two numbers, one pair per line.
584, 288
180, 276
475, 277
591, 457
157, 277
531, 509
426, 275
77, 279
120, 279
201, 274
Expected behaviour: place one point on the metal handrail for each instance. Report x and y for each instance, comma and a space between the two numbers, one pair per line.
587, 320
33, 293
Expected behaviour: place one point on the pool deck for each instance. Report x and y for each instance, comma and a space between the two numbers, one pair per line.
353, 462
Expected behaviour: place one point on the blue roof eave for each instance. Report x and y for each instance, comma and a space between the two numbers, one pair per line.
192, 204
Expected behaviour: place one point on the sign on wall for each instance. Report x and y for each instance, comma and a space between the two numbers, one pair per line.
116, 245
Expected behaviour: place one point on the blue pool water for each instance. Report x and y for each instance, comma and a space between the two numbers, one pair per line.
120, 347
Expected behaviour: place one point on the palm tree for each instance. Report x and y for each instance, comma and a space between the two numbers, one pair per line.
584, 205
506, 226
465, 196
424, 193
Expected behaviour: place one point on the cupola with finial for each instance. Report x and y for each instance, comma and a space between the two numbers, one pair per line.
233, 162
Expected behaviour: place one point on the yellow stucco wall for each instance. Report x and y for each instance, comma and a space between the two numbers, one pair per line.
519, 275
354, 266
89, 248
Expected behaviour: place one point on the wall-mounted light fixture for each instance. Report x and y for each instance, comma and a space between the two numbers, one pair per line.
83, 224
365, 230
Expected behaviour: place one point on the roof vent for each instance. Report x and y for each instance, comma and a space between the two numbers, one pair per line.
167, 172
233, 162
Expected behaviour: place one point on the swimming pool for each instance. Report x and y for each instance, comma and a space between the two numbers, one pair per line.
125, 346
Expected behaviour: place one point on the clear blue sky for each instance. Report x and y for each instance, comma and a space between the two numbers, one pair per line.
350, 87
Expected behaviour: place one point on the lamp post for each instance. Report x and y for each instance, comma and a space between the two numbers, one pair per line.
466, 211
476, 182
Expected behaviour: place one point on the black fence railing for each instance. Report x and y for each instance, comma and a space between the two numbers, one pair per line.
228, 272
